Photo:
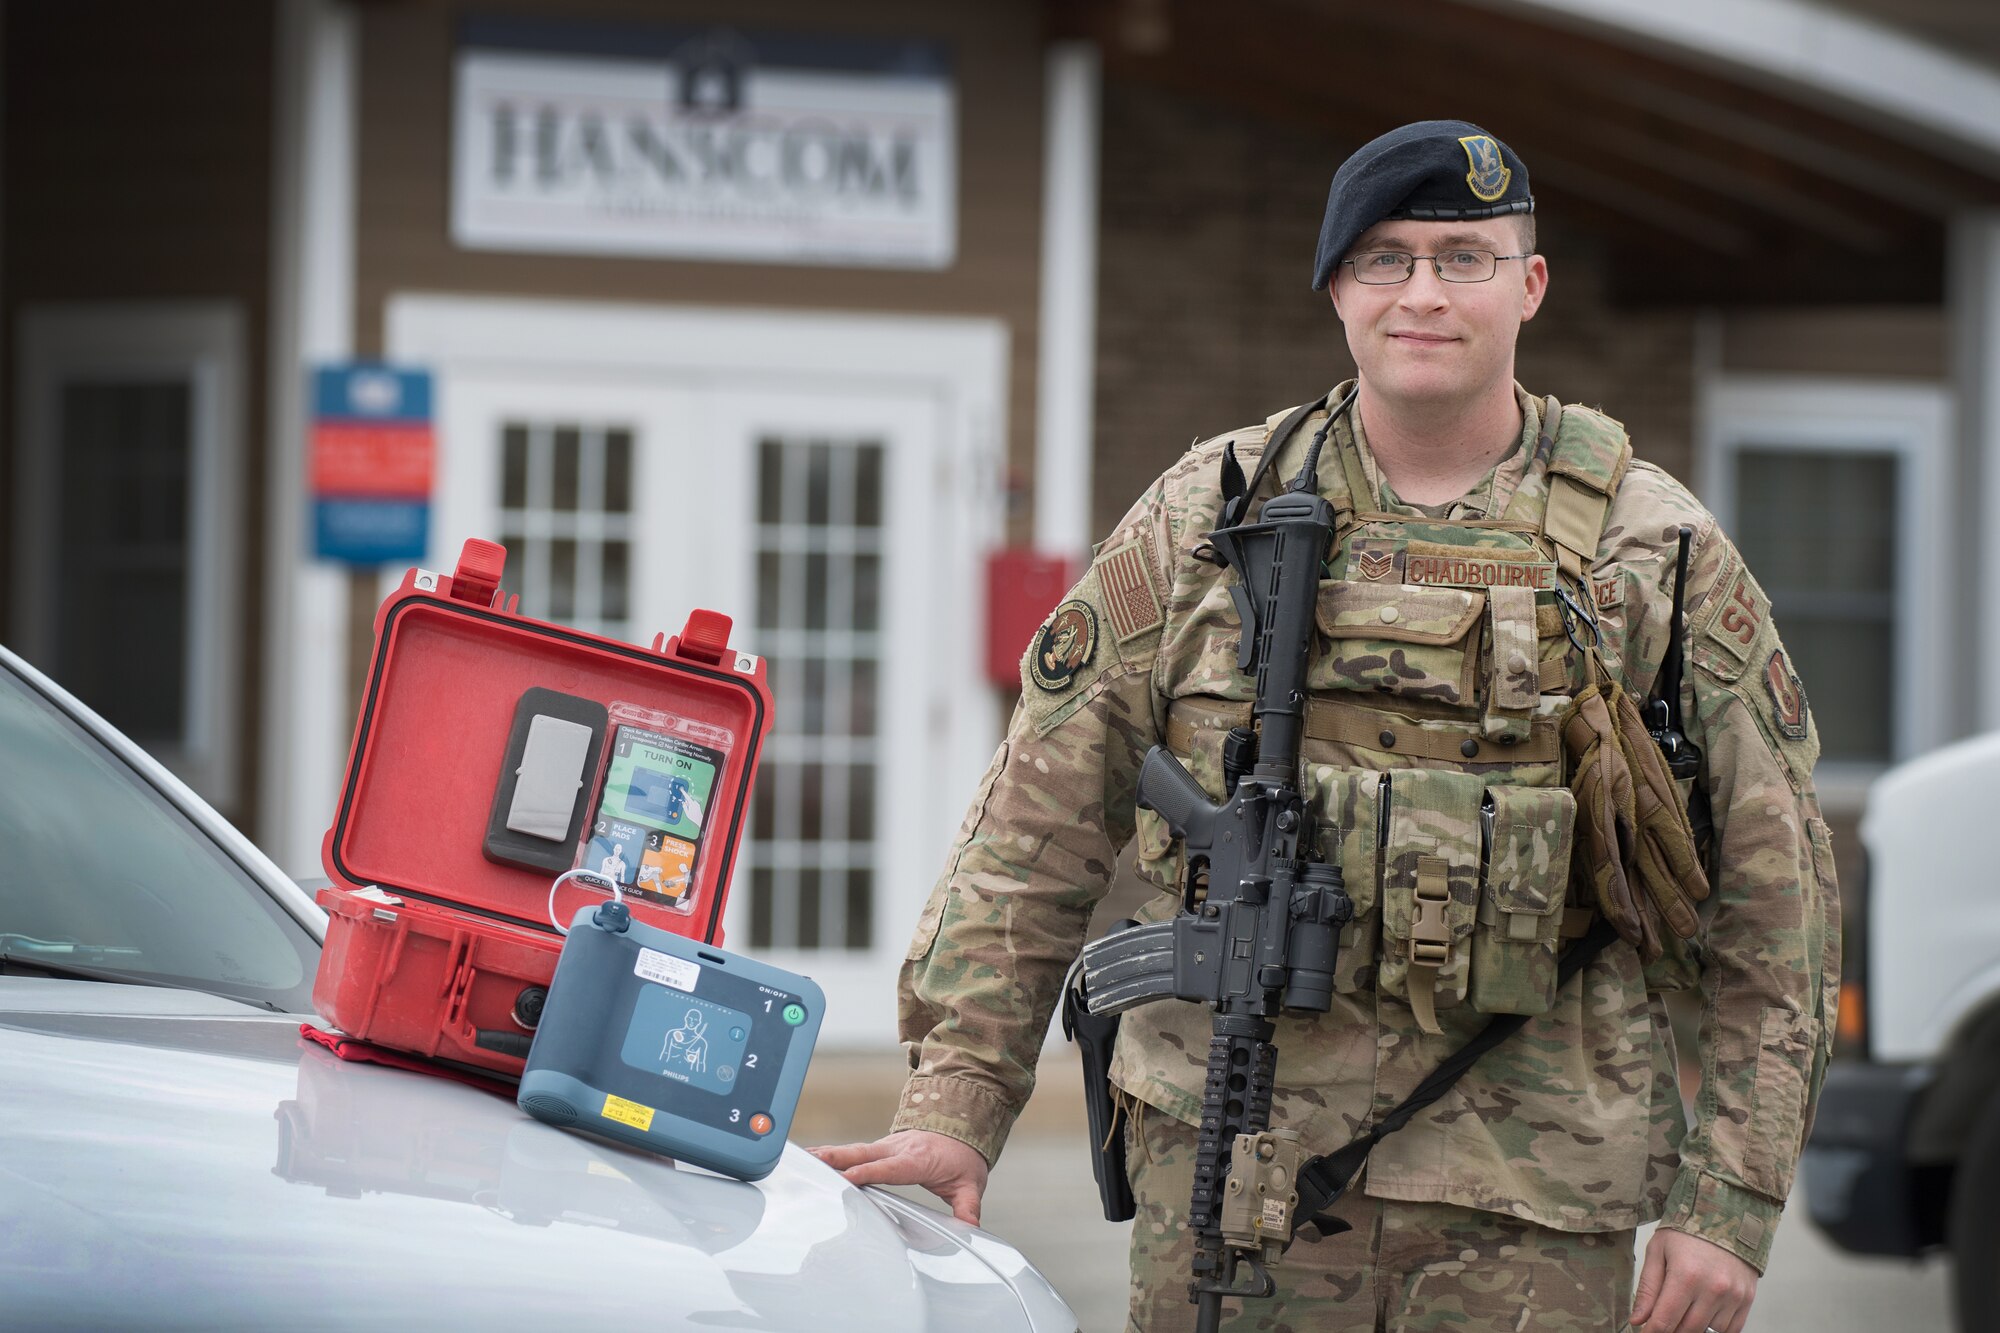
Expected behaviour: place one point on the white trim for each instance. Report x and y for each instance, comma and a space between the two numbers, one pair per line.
202, 343
945, 378
1972, 281
1873, 65
596, 339
1066, 349
304, 718
1912, 421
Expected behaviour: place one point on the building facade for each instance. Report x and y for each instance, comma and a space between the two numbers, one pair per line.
802, 313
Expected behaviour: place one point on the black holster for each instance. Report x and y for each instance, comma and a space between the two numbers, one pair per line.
1094, 1036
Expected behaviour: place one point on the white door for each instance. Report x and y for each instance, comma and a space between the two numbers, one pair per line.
844, 520
817, 479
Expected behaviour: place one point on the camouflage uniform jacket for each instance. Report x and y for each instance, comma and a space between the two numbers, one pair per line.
1576, 1122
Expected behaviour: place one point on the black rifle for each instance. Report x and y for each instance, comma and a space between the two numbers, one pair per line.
1264, 934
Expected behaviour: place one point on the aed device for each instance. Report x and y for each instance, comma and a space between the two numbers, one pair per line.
494, 752
655, 1040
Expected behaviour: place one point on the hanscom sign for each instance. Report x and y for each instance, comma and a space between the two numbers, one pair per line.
703, 145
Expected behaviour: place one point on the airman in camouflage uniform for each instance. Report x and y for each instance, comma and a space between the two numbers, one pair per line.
1443, 665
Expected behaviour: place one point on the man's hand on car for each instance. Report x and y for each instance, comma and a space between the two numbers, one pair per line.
952, 1170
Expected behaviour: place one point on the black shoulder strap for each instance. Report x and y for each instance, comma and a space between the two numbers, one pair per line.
1322, 1180
1232, 471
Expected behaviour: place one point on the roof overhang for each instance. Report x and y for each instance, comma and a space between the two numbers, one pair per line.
1941, 100
1728, 152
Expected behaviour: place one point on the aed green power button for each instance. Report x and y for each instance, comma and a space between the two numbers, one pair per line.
795, 1014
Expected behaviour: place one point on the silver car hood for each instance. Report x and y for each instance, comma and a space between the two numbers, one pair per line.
171, 1159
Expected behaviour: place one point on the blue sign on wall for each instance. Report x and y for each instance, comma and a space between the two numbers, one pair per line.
371, 463
371, 532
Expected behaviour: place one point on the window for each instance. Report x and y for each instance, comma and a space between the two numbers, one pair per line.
566, 521
1820, 532
819, 615
123, 472
127, 587
1829, 490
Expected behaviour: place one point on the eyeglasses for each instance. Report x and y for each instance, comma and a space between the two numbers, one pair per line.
1382, 268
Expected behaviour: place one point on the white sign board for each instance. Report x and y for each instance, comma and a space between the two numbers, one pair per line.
713, 146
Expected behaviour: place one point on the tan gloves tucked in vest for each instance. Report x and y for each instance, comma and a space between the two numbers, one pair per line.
1632, 830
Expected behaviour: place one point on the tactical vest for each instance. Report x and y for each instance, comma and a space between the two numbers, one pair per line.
1446, 651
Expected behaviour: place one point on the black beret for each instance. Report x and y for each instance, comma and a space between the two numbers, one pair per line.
1433, 170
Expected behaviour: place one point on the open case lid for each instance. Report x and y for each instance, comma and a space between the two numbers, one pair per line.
450, 667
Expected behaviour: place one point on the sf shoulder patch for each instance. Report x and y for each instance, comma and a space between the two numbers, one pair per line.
1065, 646
1737, 615
1788, 697
1130, 602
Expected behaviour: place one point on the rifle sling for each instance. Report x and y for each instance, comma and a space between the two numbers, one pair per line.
1274, 442
1325, 1178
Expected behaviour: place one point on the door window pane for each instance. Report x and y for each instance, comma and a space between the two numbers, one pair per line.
1819, 530
617, 471
566, 521
616, 595
514, 466
569, 463
812, 841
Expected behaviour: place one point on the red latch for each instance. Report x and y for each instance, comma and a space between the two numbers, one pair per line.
704, 639
480, 566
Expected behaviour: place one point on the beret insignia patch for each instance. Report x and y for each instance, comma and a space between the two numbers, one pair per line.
1064, 647
1788, 697
1489, 175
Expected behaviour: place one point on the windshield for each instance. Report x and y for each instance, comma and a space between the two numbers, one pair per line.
101, 875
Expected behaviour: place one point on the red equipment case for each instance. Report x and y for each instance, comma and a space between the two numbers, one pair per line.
432, 947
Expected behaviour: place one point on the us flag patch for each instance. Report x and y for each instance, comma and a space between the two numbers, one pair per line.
1130, 603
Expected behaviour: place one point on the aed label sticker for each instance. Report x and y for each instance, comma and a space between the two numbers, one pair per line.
628, 1113
666, 969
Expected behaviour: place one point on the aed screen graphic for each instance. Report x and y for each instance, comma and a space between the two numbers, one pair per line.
649, 821
687, 1039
